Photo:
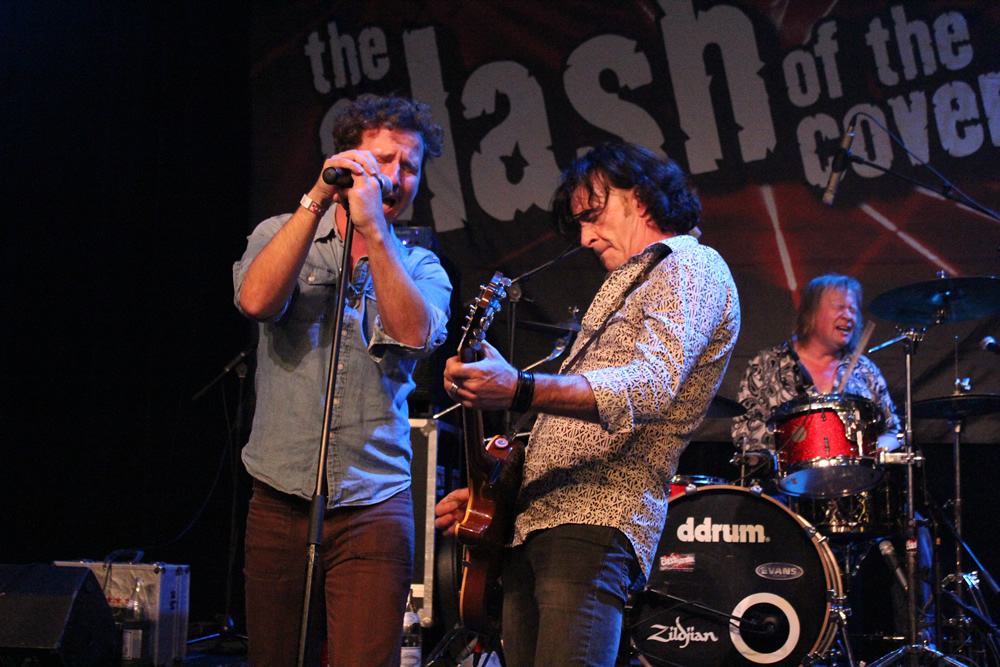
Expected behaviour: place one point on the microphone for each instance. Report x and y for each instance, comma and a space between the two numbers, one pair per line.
344, 178
840, 160
989, 344
889, 553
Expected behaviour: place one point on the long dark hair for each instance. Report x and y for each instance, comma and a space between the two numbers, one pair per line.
658, 183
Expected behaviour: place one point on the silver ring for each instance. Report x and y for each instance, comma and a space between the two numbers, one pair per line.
453, 389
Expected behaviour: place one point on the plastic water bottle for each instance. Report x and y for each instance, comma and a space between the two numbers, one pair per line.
136, 641
412, 651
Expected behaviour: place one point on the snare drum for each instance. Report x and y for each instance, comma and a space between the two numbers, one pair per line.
728, 552
877, 512
826, 445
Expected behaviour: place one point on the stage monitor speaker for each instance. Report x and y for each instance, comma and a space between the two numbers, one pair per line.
53, 615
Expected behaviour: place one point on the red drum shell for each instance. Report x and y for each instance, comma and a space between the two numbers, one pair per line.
826, 445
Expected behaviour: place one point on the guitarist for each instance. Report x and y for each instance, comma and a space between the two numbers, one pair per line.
652, 351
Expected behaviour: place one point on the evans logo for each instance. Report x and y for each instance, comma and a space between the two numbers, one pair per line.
706, 531
779, 571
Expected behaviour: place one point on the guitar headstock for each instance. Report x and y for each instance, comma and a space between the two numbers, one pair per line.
480, 317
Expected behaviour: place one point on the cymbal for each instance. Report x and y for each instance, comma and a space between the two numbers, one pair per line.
559, 328
957, 407
724, 407
940, 301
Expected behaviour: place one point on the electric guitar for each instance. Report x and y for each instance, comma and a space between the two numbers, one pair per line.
494, 475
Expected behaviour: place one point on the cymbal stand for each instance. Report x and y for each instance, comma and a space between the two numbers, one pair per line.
914, 653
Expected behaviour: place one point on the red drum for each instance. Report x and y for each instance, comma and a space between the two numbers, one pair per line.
681, 484
728, 552
826, 445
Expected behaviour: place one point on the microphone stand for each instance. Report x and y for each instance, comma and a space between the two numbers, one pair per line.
514, 294
224, 620
318, 507
946, 190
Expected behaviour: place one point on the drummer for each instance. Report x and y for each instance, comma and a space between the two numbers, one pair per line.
827, 328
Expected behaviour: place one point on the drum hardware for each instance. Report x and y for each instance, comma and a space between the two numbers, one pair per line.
956, 409
914, 649
841, 609
753, 462
943, 300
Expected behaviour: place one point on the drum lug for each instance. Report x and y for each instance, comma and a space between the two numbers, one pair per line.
838, 603
813, 533
756, 489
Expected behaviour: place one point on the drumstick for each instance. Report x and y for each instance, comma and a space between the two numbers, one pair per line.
865, 335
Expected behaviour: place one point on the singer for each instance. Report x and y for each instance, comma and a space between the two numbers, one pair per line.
287, 281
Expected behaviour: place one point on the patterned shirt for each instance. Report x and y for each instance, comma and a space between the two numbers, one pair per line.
653, 370
776, 376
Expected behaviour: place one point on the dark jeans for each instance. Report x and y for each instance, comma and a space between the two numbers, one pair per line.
366, 566
564, 596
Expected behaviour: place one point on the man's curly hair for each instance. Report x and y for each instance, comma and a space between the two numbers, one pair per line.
371, 112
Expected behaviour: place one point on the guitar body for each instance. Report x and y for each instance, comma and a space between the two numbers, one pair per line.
494, 475
485, 530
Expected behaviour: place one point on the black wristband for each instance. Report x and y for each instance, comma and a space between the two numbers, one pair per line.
524, 392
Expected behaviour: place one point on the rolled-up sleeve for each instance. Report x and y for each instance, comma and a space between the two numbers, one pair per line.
433, 283
677, 314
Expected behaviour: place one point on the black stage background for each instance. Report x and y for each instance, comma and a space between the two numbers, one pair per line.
141, 142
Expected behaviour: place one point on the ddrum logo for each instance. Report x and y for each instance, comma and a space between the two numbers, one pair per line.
707, 531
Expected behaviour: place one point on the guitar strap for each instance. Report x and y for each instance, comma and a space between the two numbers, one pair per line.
659, 253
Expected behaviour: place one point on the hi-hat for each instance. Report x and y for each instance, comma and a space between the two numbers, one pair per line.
957, 407
940, 301
560, 328
724, 407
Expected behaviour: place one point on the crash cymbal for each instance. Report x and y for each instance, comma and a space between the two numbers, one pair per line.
559, 328
957, 407
724, 408
940, 301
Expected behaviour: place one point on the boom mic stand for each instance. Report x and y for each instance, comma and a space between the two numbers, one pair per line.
237, 365
514, 295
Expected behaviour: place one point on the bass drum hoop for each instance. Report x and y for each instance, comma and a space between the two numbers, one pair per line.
828, 563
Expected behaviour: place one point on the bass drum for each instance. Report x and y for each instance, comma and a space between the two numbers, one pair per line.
738, 580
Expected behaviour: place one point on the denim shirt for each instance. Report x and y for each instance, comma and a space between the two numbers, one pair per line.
369, 450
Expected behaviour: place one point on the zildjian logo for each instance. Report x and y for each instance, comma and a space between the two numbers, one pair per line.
678, 633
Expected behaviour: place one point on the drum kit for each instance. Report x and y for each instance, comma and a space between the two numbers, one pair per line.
795, 563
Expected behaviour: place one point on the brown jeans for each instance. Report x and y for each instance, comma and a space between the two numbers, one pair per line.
366, 566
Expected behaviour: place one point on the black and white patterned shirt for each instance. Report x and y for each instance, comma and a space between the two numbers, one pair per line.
653, 369
776, 376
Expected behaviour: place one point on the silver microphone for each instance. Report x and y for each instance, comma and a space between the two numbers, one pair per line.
840, 161
885, 546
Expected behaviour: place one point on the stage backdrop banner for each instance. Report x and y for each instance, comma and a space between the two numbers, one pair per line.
752, 98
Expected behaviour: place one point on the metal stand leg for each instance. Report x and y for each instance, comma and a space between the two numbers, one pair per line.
914, 653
